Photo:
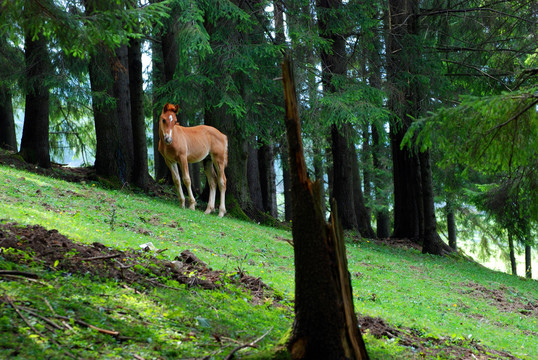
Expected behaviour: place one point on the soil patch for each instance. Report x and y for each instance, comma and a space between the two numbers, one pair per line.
505, 299
55, 252
430, 347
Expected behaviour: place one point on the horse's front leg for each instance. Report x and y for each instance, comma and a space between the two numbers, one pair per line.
187, 182
177, 182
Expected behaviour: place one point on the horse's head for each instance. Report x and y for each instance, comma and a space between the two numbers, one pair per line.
167, 121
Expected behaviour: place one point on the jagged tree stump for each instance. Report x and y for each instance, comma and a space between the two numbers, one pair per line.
325, 325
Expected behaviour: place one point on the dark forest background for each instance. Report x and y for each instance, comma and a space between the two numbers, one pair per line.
419, 117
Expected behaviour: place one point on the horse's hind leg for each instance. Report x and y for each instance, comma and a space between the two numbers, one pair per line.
177, 182
212, 182
221, 177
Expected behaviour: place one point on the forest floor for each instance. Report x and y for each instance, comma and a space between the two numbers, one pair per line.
146, 268
55, 252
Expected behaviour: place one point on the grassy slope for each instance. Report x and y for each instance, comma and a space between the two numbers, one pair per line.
444, 298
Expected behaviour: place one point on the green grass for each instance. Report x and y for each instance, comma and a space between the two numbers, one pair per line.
442, 298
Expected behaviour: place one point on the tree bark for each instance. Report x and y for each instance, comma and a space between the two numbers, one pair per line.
325, 325
8, 138
35, 133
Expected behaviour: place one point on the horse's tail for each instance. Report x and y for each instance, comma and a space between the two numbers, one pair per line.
226, 151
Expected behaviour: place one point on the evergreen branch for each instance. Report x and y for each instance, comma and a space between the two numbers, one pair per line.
515, 116
480, 71
433, 12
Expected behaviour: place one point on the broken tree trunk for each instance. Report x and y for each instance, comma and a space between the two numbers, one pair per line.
325, 325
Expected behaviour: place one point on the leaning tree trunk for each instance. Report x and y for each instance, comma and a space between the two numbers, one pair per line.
35, 133
325, 325
8, 139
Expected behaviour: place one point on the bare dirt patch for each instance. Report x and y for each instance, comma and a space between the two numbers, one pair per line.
427, 346
504, 299
32, 245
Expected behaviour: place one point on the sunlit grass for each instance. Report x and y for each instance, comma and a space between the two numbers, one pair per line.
405, 288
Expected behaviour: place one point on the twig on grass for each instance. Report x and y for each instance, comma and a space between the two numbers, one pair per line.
102, 257
250, 344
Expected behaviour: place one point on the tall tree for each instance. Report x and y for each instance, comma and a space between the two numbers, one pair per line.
333, 64
35, 134
111, 103
136, 83
8, 139
414, 211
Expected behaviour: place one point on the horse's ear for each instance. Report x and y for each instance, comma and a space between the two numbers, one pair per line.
170, 107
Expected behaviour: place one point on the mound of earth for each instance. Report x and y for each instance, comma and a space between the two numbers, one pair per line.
430, 347
32, 245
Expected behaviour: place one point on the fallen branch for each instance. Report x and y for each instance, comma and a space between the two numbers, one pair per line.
250, 344
8, 300
22, 277
80, 322
102, 257
47, 320
19, 273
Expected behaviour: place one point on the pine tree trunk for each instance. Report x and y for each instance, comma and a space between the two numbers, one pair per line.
286, 182
159, 166
35, 133
113, 129
343, 176
513, 262
8, 139
325, 325
266, 166
451, 226
432, 243
237, 190
528, 261
363, 214
382, 213
140, 167
253, 173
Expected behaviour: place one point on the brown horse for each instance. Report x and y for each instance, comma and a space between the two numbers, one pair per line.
183, 145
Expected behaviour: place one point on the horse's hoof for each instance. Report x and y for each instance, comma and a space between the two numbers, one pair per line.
222, 213
208, 211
